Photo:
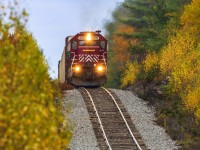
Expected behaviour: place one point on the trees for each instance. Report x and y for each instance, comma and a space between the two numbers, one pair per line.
130, 74
28, 117
120, 45
180, 59
149, 24
119, 52
168, 59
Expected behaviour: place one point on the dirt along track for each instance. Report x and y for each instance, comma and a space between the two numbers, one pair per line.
111, 129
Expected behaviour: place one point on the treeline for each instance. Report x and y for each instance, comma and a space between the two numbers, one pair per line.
157, 41
29, 118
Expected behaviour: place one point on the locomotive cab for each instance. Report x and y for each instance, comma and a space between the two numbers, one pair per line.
85, 59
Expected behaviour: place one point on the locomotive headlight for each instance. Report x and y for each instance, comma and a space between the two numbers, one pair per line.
88, 37
77, 69
100, 68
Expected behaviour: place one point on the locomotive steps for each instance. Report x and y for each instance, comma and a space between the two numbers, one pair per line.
116, 135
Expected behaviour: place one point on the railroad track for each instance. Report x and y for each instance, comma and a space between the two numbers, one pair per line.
112, 124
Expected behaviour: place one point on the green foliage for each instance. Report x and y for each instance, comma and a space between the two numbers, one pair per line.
113, 78
165, 44
151, 22
28, 116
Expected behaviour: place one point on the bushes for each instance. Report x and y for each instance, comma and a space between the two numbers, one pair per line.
168, 55
180, 59
118, 55
130, 74
179, 62
28, 116
151, 66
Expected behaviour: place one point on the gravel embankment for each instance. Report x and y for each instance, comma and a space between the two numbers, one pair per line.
84, 137
143, 117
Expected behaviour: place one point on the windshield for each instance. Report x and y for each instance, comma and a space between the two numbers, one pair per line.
88, 43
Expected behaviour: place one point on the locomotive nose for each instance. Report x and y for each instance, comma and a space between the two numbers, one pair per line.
89, 76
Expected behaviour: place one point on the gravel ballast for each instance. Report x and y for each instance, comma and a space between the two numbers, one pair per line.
143, 117
83, 136
141, 114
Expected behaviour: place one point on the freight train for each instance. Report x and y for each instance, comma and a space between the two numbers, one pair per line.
84, 60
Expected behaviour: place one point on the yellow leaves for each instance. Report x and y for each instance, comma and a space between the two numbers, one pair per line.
54, 129
180, 59
197, 113
3, 124
24, 110
175, 52
130, 74
151, 61
191, 15
192, 99
28, 116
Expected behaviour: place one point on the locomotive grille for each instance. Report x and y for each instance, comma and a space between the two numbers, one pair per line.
88, 70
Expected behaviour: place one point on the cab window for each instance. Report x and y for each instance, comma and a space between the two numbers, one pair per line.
68, 47
103, 44
88, 43
74, 45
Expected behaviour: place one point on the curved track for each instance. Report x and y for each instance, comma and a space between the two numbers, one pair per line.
111, 122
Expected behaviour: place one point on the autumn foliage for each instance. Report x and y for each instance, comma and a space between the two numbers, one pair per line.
120, 45
180, 59
165, 36
163, 60
130, 74
29, 118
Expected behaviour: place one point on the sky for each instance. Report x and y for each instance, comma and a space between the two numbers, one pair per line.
50, 21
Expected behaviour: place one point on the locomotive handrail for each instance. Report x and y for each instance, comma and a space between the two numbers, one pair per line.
133, 137
104, 59
73, 60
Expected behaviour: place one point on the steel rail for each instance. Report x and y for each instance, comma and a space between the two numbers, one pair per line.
131, 133
97, 114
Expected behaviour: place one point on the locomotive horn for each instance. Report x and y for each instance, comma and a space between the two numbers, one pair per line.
98, 31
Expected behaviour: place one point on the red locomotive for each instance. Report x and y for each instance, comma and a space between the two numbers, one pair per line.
84, 60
